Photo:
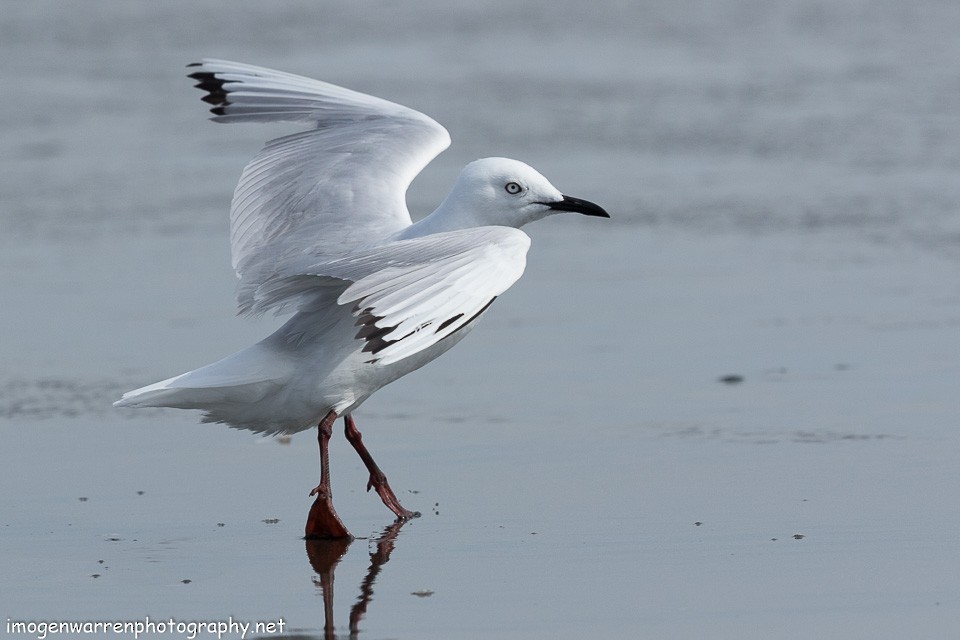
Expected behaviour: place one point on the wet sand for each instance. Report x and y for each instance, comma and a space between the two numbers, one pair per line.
593, 477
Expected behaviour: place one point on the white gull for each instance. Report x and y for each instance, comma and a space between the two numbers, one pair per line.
319, 227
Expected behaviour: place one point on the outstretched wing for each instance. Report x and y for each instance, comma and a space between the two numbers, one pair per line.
409, 294
328, 190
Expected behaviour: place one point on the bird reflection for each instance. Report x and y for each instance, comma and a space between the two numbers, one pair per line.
324, 557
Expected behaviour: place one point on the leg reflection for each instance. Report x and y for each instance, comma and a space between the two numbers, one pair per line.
324, 555
378, 558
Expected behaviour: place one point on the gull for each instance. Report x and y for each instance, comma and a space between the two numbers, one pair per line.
319, 228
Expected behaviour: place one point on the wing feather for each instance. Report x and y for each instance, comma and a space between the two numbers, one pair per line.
326, 191
444, 293
407, 295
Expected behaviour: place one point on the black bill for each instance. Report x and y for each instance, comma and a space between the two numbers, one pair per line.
576, 205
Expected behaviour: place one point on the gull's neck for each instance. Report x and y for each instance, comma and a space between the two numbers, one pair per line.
447, 217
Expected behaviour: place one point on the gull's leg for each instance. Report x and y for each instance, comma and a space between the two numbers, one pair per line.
377, 480
323, 521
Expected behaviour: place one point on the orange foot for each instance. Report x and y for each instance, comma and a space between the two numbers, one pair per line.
323, 521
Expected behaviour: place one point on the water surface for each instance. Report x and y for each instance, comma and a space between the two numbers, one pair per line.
728, 412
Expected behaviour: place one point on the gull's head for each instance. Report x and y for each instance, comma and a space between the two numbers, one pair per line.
500, 191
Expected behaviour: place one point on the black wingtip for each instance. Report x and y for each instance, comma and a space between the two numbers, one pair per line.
370, 333
209, 82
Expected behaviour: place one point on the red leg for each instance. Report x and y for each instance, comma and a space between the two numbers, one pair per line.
378, 480
323, 521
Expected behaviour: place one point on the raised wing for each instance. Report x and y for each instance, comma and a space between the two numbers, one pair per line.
409, 294
327, 190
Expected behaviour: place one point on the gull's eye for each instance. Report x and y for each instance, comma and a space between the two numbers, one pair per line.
513, 188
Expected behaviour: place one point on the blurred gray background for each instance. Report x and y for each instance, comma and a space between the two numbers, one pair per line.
782, 179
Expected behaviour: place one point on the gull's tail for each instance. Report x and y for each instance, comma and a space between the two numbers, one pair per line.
238, 390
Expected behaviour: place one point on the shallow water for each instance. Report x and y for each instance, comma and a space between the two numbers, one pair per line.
728, 412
